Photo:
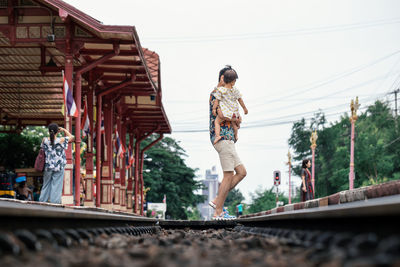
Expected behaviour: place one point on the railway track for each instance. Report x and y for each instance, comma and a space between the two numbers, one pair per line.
363, 233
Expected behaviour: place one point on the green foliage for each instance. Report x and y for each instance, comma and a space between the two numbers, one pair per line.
35, 132
377, 149
20, 150
169, 175
263, 200
193, 213
234, 198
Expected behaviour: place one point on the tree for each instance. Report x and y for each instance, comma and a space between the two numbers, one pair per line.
263, 200
377, 149
169, 175
234, 198
20, 150
193, 213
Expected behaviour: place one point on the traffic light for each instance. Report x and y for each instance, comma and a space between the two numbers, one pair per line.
277, 178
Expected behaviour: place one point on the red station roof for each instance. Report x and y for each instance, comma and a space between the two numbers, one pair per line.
30, 65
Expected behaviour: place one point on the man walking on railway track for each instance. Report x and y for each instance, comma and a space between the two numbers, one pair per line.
234, 170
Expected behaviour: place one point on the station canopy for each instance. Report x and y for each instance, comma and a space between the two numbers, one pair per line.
35, 36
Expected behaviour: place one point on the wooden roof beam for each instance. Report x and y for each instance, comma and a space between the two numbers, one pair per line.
120, 70
122, 62
114, 88
100, 52
29, 75
29, 91
20, 107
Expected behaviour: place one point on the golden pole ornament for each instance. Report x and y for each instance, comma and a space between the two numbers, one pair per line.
354, 105
313, 139
289, 159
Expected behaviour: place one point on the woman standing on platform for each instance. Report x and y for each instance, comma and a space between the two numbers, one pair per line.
307, 191
53, 176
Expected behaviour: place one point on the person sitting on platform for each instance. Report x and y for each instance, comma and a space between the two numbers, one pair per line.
36, 194
23, 192
226, 104
53, 176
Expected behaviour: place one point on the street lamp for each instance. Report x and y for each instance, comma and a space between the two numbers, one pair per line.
354, 105
313, 140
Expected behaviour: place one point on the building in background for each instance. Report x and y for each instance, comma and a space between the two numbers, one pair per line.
210, 192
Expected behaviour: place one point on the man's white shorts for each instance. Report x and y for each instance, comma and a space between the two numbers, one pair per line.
227, 155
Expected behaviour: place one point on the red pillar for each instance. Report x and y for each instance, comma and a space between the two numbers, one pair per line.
98, 149
117, 174
123, 170
141, 170
67, 197
129, 191
141, 186
136, 176
78, 99
290, 183
89, 201
351, 173
313, 168
107, 165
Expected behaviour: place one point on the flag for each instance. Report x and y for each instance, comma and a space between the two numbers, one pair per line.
119, 146
102, 130
164, 199
127, 159
69, 99
130, 158
85, 125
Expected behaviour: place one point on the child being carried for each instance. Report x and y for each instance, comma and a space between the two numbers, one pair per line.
227, 98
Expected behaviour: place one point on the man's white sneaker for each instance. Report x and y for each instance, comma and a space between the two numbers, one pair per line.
212, 204
224, 216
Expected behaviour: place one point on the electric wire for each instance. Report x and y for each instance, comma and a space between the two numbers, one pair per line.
267, 35
278, 121
318, 84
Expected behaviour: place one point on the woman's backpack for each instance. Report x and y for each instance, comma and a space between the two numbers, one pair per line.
40, 159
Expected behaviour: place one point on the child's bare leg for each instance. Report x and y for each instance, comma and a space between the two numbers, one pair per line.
235, 129
239, 121
217, 123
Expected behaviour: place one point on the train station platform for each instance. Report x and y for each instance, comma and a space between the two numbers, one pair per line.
363, 196
24, 213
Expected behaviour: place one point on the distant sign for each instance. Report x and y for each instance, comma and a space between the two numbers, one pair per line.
157, 206
157, 210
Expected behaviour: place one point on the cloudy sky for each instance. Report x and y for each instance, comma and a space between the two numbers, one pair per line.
293, 58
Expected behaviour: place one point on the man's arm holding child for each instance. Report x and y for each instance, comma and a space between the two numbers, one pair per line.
243, 105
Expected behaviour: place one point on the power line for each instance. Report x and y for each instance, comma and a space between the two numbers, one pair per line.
336, 77
323, 82
277, 34
271, 122
392, 142
279, 119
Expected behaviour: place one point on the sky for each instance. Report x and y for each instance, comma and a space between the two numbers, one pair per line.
293, 58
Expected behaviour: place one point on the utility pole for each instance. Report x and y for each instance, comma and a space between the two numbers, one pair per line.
395, 92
